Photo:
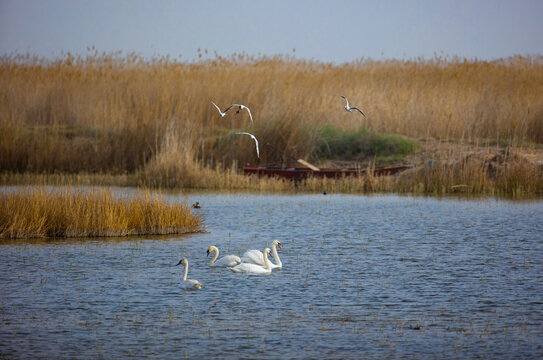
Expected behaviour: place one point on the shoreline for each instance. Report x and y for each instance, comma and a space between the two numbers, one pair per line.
439, 169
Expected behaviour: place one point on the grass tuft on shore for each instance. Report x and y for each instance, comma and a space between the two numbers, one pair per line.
40, 212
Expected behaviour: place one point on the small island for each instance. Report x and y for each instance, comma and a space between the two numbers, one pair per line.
41, 212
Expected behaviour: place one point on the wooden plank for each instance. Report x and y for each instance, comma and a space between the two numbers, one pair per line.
306, 164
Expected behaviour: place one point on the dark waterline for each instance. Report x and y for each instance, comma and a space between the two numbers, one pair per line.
371, 277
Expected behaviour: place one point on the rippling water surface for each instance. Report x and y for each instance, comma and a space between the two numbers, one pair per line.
378, 276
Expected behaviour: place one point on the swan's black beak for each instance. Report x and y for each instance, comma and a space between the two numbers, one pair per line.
179, 262
207, 253
279, 244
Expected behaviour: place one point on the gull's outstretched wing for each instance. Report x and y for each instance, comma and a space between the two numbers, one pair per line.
241, 107
218, 108
360, 111
250, 115
230, 107
347, 101
254, 138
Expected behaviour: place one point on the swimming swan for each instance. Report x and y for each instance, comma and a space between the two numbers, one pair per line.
188, 284
228, 260
256, 257
253, 268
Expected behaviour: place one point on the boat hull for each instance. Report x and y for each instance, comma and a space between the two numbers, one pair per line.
304, 173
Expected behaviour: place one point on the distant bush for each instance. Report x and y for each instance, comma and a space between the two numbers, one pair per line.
361, 145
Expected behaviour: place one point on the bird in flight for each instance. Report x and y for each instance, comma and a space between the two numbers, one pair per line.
351, 108
240, 107
222, 113
254, 138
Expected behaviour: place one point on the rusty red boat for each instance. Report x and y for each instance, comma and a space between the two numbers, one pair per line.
300, 173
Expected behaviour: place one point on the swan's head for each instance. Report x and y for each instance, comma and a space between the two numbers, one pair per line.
267, 251
211, 249
277, 243
182, 261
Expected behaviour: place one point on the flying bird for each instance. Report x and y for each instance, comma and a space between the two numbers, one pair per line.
351, 108
254, 138
241, 107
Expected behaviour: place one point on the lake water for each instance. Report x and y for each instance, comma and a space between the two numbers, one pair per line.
362, 277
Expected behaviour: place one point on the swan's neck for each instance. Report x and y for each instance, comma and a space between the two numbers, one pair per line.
186, 271
276, 256
267, 264
216, 250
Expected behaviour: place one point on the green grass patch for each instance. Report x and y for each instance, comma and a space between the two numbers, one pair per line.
362, 145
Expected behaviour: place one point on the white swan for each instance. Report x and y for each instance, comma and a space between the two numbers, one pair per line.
253, 268
256, 257
189, 284
228, 260
254, 138
351, 108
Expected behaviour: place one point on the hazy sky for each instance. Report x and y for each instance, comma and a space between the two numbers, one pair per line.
328, 30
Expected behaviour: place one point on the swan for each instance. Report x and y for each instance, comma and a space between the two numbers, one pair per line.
228, 260
189, 284
254, 138
351, 108
253, 268
256, 257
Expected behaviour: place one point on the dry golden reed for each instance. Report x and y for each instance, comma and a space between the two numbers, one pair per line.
42, 212
154, 119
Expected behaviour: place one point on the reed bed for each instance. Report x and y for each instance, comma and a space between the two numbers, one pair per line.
152, 120
484, 171
41, 212
67, 179
503, 173
470, 173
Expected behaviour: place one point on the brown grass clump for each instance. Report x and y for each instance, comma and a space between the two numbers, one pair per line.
475, 171
176, 166
39, 212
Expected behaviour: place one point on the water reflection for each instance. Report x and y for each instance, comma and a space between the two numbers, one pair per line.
362, 276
